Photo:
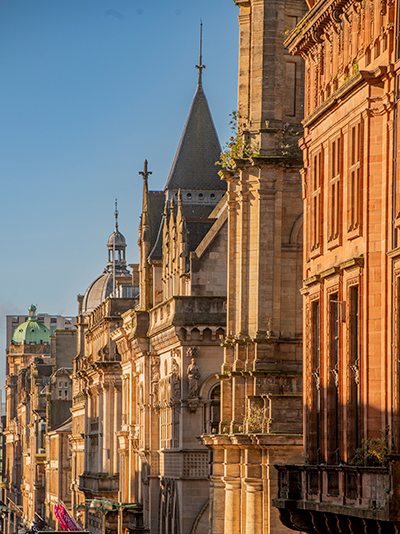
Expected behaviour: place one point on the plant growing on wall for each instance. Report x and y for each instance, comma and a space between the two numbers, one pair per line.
236, 148
255, 419
373, 451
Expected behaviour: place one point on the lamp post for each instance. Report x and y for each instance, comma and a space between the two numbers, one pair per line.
103, 506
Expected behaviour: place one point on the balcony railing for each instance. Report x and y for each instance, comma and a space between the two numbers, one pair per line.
357, 491
99, 483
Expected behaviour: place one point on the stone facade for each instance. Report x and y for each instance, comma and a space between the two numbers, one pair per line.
171, 346
187, 379
261, 377
351, 269
31, 410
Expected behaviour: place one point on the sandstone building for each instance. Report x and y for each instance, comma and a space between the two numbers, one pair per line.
351, 272
34, 361
261, 376
187, 376
96, 392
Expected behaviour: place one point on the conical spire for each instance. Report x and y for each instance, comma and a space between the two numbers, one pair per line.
194, 164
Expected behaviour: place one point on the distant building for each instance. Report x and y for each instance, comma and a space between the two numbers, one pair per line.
34, 359
96, 407
51, 322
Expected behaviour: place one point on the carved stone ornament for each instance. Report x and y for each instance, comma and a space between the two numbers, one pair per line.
193, 352
356, 372
193, 374
315, 376
335, 373
155, 378
103, 353
175, 381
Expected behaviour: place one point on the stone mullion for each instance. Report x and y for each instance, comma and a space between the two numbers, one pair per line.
267, 250
244, 61
388, 157
363, 400
87, 446
257, 51
243, 259
101, 430
117, 424
232, 297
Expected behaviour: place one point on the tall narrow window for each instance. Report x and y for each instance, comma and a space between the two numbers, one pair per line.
334, 357
354, 360
315, 208
334, 191
354, 179
316, 375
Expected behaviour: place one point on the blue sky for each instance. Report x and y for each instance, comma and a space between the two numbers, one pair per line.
88, 90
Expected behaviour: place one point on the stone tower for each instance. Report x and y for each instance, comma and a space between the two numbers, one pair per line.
261, 377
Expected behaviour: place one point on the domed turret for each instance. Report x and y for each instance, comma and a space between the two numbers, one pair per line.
31, 331
103, 286
116, 246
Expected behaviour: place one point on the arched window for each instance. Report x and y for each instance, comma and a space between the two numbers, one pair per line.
212, 411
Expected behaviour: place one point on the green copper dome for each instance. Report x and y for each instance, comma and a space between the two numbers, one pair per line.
31, 331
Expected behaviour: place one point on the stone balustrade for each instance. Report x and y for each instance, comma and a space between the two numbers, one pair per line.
360, 491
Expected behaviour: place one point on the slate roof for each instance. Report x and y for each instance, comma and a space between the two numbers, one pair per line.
194, 164
156, 252
197, 214
156, 201
196, 231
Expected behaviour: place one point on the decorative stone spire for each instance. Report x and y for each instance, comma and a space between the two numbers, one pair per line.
145, 175
116, 215
200, 66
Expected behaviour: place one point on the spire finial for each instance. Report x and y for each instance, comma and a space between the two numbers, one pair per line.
145, 173
116, 215
200, 66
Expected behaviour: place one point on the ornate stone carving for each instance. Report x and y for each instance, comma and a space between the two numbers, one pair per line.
335, 373
155, 378
193, 374
356, 372
103, 353
175, 382
193, 352
315, 376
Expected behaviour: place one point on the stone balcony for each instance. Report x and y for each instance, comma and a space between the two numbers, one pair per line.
368, 498
99, 483
188, 311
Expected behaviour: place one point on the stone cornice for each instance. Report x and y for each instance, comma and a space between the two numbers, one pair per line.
313, 25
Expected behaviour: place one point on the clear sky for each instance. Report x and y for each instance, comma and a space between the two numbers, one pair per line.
88, 90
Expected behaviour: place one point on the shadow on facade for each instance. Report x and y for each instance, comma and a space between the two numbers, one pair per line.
357, 493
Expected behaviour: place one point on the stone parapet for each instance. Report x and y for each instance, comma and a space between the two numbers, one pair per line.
188, 311
357, 492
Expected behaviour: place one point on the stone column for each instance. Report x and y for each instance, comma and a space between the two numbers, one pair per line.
217, 516
254, 516
232, 505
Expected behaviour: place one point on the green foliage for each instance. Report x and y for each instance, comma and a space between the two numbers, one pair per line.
289, 143
255, 419
236, 148
373, 451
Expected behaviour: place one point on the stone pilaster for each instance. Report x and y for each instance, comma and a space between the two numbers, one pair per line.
254, 515
232, 505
